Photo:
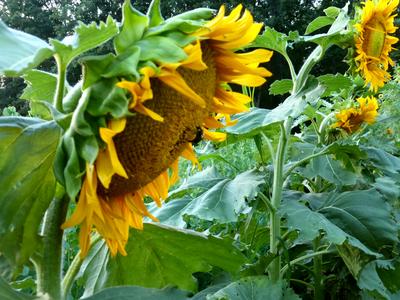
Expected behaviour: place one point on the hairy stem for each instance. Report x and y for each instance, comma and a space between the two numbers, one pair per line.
49, 265
275, 221
318, 281
61, 78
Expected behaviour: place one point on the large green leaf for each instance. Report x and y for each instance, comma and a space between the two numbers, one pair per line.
319, 23
384, 161
280, 87
138, 292
331, 170
160, 256
258, 119
8, 293
381, 277
20, 51
361, 217
86, 37
223, 201
255, 288
27, 182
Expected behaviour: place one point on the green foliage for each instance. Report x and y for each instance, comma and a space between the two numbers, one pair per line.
255, 288
129, 292
20, 51
27, 185
163, 256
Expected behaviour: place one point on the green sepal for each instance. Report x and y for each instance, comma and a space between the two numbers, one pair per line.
185, 26
93, 68
134, 23
106, 98
124, 64
20, 51
179, 38
154, 13
201, 13
71, 99
160, 49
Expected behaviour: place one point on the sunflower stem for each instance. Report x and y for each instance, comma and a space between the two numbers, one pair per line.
74, 268
61, 78
275, 220
292, 72
49, 263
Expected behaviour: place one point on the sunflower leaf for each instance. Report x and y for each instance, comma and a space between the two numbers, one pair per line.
362, 218
280, 87
134, 24
20, 51
319, 23
159, 256
27, 183
86, 37
8, 293
160, 49
334, 83
273, 40
382, 277
258, 119
255, 288
138, 292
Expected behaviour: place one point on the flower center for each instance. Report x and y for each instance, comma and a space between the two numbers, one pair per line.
374, 38
146, 148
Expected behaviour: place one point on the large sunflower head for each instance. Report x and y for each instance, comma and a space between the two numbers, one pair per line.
374, 41
172, 101
351, 119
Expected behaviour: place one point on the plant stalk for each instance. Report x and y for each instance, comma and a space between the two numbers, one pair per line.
275, 220
61, 78
49, 265
318, 281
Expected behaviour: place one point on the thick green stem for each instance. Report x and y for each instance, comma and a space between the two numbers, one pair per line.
275, 221
49, 264
318, 280
61, 78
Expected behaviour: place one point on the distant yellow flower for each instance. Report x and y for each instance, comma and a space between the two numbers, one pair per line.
374, 42
351, 119
174, 103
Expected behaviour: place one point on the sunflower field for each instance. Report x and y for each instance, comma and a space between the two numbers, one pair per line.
159, 176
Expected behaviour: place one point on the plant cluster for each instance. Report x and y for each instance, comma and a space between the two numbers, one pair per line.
296, 202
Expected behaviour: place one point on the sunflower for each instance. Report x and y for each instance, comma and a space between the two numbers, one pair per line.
351, 119
374, 42
173, 102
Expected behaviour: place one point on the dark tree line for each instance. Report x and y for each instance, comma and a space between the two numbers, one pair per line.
57, 18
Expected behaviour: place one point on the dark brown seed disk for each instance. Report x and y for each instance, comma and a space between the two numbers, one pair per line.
146, 148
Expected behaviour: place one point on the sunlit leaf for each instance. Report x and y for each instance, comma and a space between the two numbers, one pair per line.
27, 182
20, 51
319, 23
334, 83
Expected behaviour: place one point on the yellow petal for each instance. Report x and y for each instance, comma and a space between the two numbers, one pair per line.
214, 136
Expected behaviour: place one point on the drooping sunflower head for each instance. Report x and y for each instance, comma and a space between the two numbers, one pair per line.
178, 91
351, 119
374, 41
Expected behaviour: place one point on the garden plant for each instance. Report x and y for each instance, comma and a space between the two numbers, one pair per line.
156, 177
